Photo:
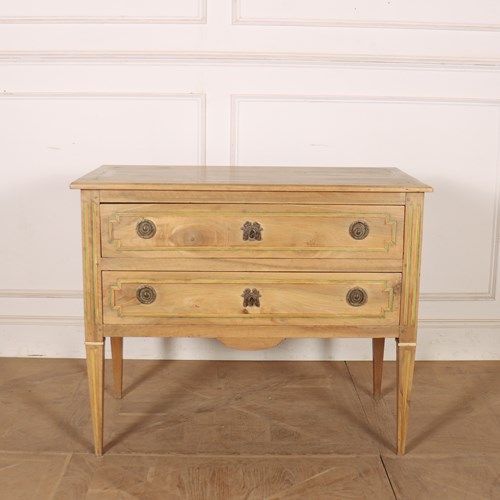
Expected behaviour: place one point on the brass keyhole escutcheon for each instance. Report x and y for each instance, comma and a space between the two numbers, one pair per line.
251, 298
356, 297
359, 230
145, 229
146, 294
252, 231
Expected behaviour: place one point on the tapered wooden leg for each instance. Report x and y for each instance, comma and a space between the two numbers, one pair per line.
117, 361
95, 372
408, 320
378, 365
405, 366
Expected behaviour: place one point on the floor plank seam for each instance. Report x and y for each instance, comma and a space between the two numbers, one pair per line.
279, 495
37, 452
64, 469
230, 455
388, 477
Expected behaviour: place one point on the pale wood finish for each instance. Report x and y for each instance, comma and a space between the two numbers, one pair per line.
93, 312
411, 266
246, 265
250, 344
409, 312
199, 265
286, 298
306, 231
247, 331
245, 197
405, 364
91, 275
95, 374
223, 178
378, 345
117, 361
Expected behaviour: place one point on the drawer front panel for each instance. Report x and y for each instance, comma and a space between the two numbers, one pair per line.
251, 298
252, 231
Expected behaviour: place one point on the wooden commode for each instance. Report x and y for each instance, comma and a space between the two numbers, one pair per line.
251, 256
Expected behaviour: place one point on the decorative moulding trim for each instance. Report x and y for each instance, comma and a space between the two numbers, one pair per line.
188, 96
102, 20
41, 320
490, 294
459, 323
41, 294
200, 18
264, 58
104, 95
239, 19
77, 294
462, 297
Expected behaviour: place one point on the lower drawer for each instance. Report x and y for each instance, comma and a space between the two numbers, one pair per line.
231, 298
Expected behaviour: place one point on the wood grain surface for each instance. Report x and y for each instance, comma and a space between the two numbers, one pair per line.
218, 298
215, 230
246, 331
227, 178
245, 197
245, 265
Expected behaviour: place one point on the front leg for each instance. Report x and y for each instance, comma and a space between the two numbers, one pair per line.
95, 374
405, 368
92, 301
407, 341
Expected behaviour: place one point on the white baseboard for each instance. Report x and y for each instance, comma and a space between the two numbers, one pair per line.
441, 342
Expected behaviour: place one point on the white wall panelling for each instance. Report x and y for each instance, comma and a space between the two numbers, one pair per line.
471, 28
69, 133
414, 85
374, 130
65, 338
284, 59
92, 11
439, 14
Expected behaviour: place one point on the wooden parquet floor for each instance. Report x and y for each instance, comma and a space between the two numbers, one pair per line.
249, 430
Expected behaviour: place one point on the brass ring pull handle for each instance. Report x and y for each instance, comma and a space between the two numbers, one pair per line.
359, 230
356, 297
251, 298
252, 231
146, 294
145, 229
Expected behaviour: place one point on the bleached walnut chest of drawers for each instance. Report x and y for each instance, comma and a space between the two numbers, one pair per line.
251, 256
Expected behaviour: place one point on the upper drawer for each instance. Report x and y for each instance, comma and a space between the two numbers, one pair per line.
252, 231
